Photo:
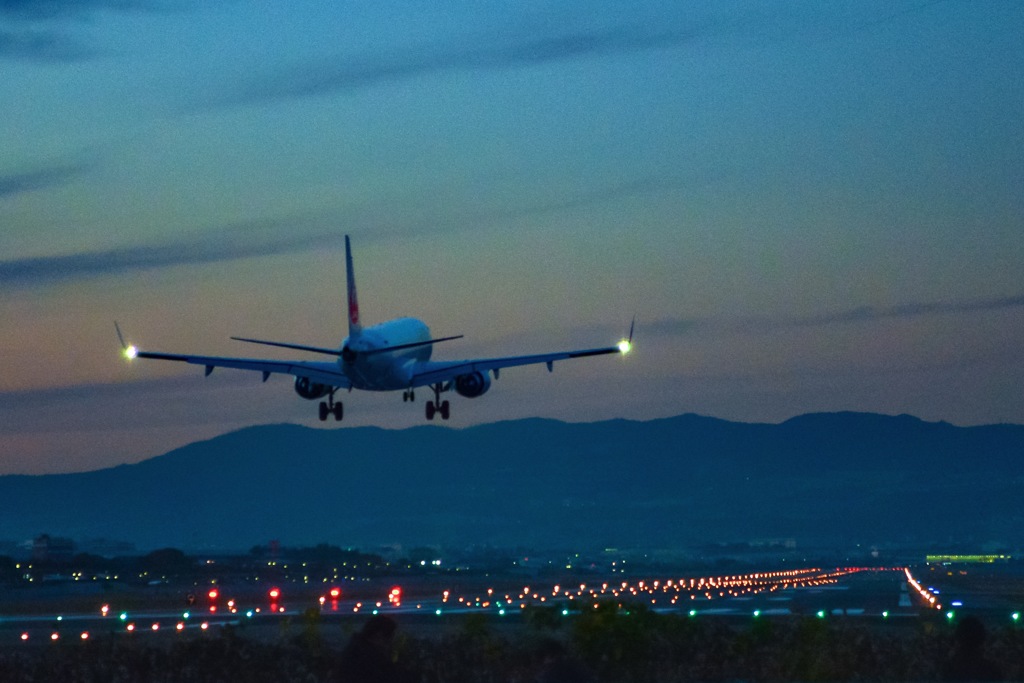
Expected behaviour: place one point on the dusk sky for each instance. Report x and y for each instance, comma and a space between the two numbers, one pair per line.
808, 206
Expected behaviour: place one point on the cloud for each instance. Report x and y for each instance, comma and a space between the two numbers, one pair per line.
17, 183
29, 34
238, 241
262, 238
911, 310
681, 326
43, 46
51, 9
344, 74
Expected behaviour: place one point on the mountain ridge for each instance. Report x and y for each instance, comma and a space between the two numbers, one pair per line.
669, 482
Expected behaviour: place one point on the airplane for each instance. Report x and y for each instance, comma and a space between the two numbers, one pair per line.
389, 356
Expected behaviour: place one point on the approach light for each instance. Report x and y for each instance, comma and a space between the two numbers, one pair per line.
624, 346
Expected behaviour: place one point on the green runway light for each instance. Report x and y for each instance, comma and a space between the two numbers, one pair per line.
821, 614
693, 613
1015, 616
437, 612
757, 613
124, 616
885, 614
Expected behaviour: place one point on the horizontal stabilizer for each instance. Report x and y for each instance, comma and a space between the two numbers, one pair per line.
413, 345
285, 345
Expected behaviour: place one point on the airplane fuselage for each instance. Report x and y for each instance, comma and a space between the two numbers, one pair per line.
387, 370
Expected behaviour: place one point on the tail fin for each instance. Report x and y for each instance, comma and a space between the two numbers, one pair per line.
354, 326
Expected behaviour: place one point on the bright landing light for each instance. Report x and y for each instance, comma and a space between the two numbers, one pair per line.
131, 352
624, 346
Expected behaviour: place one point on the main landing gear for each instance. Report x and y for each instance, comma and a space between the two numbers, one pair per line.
329, 407
437, 406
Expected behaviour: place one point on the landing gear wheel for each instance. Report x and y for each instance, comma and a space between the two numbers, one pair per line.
437, 405
323, 411
339, 411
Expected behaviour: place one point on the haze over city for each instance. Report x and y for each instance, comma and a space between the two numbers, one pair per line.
807, 206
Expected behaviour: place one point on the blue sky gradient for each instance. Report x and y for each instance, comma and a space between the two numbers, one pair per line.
808, 206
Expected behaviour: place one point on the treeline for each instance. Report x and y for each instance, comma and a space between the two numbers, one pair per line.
626, 646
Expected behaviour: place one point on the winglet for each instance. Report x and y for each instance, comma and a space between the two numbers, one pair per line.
626, 344
129, 350
354, 326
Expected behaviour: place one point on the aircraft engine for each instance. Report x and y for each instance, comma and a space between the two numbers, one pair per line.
473, 384
308, 389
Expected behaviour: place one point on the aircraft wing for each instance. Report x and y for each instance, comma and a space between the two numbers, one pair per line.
320, 372
432, 372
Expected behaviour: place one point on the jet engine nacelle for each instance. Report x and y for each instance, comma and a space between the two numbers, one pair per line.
473, 384
308, 389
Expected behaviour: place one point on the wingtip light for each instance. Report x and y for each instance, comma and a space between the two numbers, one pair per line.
624, 346
131, 352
